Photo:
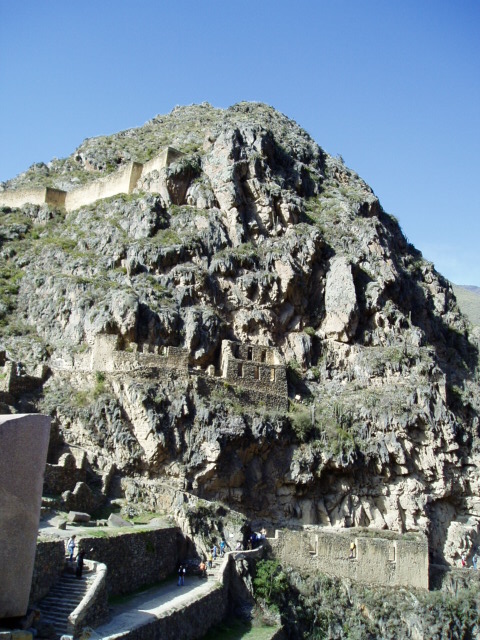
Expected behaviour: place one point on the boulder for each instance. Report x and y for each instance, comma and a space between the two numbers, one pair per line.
78, 516
58, 522
23, 453
117, 521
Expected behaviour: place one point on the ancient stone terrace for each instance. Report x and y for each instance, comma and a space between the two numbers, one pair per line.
253, 368
123, 181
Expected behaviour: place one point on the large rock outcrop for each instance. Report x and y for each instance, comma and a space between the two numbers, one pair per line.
257, 236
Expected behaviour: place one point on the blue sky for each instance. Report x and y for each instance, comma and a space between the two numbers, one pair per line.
392, 86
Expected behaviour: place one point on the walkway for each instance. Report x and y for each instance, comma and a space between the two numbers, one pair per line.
157, 602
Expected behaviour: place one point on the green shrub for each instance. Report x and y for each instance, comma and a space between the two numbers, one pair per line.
270, 583
301, 420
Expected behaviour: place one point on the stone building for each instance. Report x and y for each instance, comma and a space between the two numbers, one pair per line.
255, 367
379, 558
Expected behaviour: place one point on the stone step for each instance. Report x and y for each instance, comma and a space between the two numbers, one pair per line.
59, 609
63, 599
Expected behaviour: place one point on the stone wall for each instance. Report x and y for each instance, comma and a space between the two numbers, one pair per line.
161, 161
388, 561
122, 181
48, 567
188, 621
254, 367
125, 180
63, 476
135, 559
105, 356
250, 396
39, 196
23, 454
16, 383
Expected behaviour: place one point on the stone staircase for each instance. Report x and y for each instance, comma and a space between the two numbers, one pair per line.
64, 598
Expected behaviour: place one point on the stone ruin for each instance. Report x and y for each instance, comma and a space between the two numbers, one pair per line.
256, 369
24, 442
149, 176
366, 556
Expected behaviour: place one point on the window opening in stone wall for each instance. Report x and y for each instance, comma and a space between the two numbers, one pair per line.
240, 370
392, 554
250, 353
257, 373
263, 356
272, 375
236, 351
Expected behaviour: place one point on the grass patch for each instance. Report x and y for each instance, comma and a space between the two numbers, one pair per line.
235, 629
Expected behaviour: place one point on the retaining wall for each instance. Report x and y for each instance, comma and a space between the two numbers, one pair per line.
39, 196
48, 567
189, 622
253, 396
388, 562
161, 161
135, 559
122, 181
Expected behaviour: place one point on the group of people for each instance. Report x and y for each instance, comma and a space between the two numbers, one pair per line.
206, 563
71, 545
255, 539
475, 559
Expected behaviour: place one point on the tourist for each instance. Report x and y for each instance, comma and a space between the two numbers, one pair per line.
222, 548
210, 560
214, 551
181, 575
238, 546
475, 561
463, 560
71, 547
79, 569
353, 549
203, 569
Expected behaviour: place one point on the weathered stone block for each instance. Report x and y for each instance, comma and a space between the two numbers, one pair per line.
117, 521
78, 516
23, 454
58, 522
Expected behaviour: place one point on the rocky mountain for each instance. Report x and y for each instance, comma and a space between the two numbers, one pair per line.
255, 235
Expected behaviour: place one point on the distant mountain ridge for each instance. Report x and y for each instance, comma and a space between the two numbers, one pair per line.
468, 298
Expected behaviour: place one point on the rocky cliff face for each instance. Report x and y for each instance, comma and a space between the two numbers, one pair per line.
254, 235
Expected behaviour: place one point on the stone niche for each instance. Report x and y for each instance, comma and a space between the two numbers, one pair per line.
23, 455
